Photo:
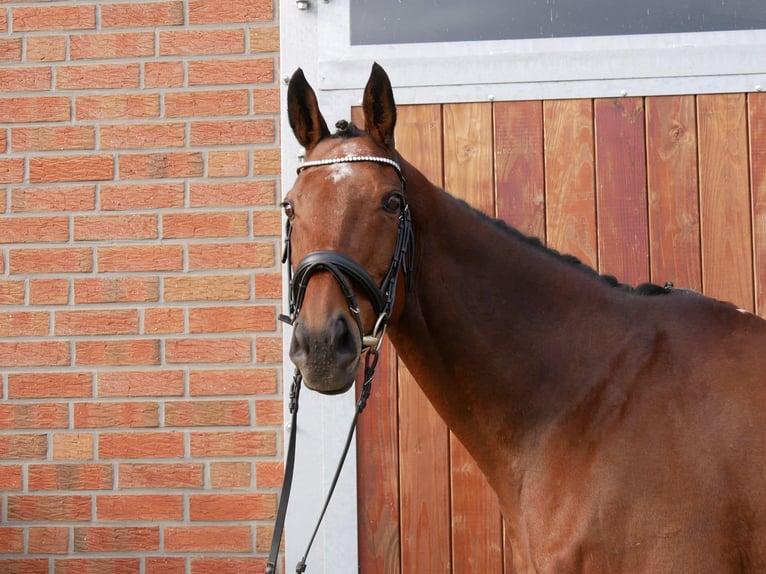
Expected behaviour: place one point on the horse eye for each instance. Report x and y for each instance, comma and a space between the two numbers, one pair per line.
392, 203
289, 210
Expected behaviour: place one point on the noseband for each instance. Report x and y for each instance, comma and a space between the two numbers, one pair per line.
348, 273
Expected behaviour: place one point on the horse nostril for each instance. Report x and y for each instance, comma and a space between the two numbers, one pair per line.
299, 345
343, 340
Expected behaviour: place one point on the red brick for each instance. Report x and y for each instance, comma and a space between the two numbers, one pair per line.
70, 477
48, 540
10, 50
132, 258
211, 507
11, 292
34, 109
266, 101
236, 443
236, 474
208, 539
23, 446
25, 79
98, 566
46, 48
165, 565
34, 354
53, 260
49, 508
267, 223
231, 132
231, 255
264, 39
140, 383
115, 227
24, 565
34, 230
207, 413
118, 290
53, 138
143, 507
122, 414
135, 14
201, 41
228, 565
211, 11
73, 446
236, 193
231, 71
102, 46
163, 74
117, 352
54, 18
62, 384
139, 445
219, 382
137, 136
204, 224
24, 324
115, 107
207, 103
71, 168
266, 162
208, 350
160, 475
268, 412
116, 539
59, 198
230, 319
48, 291
163, 320
11, 540
207, 288
33, 416
98, 76
160, 165
11, 170
228, 163
269, 474
111, 322
268, 349
11, 477
141, 196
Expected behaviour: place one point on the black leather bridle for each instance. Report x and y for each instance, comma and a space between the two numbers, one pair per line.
349, 274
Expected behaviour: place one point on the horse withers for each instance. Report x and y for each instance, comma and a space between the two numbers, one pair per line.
623, 430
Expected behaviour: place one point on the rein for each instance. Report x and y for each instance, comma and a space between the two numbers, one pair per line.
345, 271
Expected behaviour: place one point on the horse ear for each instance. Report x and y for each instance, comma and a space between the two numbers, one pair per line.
379, 107
303, 112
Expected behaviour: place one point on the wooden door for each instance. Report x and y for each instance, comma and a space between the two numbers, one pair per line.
655, 189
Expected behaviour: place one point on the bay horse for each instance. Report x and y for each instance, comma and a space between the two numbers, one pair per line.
623, 429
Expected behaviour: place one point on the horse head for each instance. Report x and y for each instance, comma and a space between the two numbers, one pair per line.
348, 234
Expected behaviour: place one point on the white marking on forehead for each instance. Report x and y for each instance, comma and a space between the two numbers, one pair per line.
339, 171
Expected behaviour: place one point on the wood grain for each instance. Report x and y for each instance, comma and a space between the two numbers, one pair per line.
727, 266
570, 187
519, 171
757, 123
674, 228
621, 189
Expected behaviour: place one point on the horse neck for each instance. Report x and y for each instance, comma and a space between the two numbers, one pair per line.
489, 329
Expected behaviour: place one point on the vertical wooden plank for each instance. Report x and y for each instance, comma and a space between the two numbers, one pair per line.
477, 542
570, 187
757, 123
623, 243
423, 436
727, 264
519, 177
674, 231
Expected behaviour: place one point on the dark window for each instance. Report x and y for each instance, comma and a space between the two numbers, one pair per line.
406, 21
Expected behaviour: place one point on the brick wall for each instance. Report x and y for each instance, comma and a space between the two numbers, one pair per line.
140, 408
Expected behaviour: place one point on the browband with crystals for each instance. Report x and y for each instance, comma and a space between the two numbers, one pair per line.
352, 158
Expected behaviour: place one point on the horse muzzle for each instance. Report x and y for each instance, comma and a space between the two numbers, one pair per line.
328, 358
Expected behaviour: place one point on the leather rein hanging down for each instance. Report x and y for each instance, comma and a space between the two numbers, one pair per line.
382, 297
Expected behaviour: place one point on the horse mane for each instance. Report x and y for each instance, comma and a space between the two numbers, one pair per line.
347, 130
